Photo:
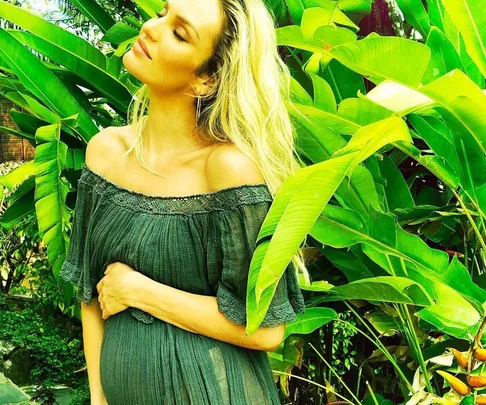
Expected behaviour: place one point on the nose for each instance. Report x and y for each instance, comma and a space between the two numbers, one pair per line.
147, 31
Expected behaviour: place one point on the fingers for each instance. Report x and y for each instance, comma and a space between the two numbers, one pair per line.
99, 286
109, 267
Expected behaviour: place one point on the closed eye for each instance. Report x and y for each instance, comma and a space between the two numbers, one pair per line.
179, 38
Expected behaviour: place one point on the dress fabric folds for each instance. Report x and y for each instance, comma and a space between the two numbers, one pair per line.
203, 244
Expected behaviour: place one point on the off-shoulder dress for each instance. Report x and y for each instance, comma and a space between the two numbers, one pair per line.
201, 243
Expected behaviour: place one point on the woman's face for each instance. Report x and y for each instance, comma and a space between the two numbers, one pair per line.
176, 48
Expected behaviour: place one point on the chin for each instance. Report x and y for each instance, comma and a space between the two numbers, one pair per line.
133, 66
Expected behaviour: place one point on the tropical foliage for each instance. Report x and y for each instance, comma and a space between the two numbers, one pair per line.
393, 199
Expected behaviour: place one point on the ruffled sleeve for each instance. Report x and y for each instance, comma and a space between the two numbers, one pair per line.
239, 229
78, 267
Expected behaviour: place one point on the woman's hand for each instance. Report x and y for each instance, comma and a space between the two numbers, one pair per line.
114, 288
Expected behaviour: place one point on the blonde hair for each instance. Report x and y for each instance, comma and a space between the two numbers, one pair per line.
246, 105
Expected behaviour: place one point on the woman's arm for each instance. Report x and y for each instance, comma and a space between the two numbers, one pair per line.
198, 314
93, 330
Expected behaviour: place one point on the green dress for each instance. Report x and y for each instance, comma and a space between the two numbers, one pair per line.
201, 243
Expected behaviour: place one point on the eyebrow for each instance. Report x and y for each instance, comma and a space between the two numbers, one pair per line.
183, 20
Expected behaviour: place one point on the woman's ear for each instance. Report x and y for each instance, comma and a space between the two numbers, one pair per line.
205, 84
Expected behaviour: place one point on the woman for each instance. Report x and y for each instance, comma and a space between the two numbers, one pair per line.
164, 238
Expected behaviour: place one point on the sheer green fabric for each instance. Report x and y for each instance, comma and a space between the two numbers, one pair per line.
202, 244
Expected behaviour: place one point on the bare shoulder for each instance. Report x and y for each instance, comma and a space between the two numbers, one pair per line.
227, 166
108, 142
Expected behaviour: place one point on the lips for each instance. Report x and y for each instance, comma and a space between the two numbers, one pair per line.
144, 47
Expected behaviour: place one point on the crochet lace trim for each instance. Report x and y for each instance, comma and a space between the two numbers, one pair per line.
72, 273
141, 316
223, 199
235, 310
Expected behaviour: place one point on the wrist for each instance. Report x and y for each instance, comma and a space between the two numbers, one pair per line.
136, 283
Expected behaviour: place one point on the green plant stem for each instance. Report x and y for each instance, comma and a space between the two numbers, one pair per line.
477, 265
471, 220
378, 343
371, 393
409, 329
312, 382
466, 251
412, 340
335, 374
360, 371
384, 350
406, 330
414, 337
418, 350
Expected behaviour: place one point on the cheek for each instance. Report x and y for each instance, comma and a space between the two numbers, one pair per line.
172, 54
175, 59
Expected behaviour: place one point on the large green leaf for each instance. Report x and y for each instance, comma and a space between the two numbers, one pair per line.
416, 15
367, 140
462, 105
95, 13
384, 323
387, 244
326, 14
323, 95
353, 263
150, 7
439, 138
398, 98
50, 193
39, 110
377, 58
385, 289
292, 35
52, 33
381, 58
108, 85
16, 177
461, 145
393, 187
340, 228
355, 9
319, 143
453, 34
457, 275
43, 83
119, 33
313, 185
309, 321
470, 19
21, 206
296, 10
444, 56
344, 82
435, 12
455, 320
362, 112
289, 223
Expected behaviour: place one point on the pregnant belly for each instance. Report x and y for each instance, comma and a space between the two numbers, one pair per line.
159, 363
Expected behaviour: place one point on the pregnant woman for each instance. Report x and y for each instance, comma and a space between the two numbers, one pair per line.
169, 209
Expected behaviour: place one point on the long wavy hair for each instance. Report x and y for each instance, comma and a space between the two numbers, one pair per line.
246, 105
